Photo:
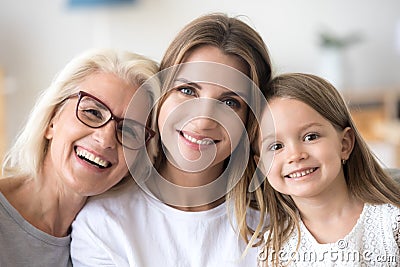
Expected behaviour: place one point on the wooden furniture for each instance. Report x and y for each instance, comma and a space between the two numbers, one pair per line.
377, 116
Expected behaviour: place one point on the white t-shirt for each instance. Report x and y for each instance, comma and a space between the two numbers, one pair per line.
128, 227
373, 241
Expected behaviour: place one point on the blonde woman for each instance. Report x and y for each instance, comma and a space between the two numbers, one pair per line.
71, 148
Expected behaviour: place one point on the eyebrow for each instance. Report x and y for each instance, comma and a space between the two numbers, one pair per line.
99, 103
228, 93
185, 81
303, 128
309, 125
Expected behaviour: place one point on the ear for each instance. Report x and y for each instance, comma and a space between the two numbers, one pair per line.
49, 133
256, 158
348, 140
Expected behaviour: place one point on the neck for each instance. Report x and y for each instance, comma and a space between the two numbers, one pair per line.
335, 209
205, 207
327, 203
180, 177
43, 203
188, 191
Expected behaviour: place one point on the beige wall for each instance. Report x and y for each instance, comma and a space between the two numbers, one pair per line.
3, 141
38, 38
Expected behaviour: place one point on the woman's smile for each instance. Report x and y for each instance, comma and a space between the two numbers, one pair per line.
198, 140
92, 158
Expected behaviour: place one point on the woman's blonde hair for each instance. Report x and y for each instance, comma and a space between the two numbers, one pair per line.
233, 37
365, 178
26, 156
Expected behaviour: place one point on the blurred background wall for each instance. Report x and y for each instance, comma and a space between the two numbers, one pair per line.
37, 38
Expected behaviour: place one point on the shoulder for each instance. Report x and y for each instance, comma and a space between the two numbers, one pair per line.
111, 204
394, 213
385, 209
110, 212
8, 185
387, 214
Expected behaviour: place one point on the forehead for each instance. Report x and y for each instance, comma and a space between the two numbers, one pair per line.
284, 114
209, 53
292, 109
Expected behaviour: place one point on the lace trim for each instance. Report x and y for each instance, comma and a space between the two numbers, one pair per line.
374, 241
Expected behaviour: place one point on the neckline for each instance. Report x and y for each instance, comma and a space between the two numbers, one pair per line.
29, 228
217, 211
309, 236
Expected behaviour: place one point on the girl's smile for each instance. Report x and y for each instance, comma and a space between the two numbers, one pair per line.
301, 173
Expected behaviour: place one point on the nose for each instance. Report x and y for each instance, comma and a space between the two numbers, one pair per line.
105, 136
204, 123
206, 114
295, 153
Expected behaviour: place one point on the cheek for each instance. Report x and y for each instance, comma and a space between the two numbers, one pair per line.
333, 161
234, 135
267, 163
275, 180
234, 125
165, 114
65, 121
122, 172
272, 165
328, 153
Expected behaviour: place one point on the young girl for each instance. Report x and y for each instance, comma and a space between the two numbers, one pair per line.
330, 202
179, 215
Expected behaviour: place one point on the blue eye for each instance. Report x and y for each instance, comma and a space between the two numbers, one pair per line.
275, 146
311, 137
187, 91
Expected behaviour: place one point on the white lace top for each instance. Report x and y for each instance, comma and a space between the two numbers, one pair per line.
374, 241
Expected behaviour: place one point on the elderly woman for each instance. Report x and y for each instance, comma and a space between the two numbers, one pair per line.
71, 148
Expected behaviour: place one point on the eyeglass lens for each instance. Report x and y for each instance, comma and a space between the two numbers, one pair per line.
94, 114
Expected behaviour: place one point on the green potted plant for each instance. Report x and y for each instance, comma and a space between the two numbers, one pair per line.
332, 57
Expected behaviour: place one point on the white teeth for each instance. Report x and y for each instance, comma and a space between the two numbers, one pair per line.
205, 141
87, 155
302, 173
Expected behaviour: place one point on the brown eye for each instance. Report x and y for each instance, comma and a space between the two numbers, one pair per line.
275, 146
233, 103
311, 137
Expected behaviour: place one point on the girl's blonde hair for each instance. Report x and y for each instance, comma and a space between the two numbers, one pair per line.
26, 156
364, 176
233, 37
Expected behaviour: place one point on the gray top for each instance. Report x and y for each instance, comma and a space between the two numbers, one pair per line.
21, 244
